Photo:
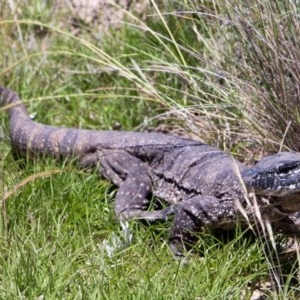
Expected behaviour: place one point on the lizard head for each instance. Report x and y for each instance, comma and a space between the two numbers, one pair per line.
275, 175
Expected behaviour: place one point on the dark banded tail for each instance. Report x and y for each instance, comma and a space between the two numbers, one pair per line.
11, 100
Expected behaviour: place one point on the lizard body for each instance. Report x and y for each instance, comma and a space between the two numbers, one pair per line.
204, 186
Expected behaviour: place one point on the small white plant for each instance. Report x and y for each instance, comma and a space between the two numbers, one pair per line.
117, 242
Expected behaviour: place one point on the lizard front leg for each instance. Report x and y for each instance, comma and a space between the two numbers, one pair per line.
132, 177
193, 215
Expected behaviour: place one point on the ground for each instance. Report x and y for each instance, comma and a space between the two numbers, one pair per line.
105, 14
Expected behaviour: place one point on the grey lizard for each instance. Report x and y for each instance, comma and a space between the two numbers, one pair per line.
203, 186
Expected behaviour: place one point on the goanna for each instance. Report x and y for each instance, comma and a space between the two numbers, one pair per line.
203, 186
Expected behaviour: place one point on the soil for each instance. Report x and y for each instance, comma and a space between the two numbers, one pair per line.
105, 14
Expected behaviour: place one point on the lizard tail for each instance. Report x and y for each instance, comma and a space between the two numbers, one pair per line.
11, 101
30, 137
21, 126
8, 96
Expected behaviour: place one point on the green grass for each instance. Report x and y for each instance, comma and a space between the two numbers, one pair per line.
213, 70
59, 239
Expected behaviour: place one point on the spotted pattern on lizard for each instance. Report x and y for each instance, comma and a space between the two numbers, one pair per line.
202, 185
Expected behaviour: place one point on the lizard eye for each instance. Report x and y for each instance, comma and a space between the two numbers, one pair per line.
288, 168
284, 170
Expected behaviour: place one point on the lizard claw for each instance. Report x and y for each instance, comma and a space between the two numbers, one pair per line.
171, 210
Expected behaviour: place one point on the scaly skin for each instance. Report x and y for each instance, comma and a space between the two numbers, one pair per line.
203, 186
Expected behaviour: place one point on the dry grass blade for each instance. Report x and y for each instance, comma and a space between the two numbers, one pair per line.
28, 180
